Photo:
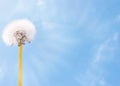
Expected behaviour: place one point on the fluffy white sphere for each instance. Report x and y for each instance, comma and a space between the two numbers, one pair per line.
18, 25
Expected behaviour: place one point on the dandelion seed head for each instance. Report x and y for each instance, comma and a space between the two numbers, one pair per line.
22, 26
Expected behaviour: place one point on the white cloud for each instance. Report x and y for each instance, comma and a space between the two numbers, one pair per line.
92, 77
20, 5
115, 37
1, 73
106, 48
41, 3
3, 70
98, 55
102, 82
94, 74
24, 6
48, 25
30, 76
117, 18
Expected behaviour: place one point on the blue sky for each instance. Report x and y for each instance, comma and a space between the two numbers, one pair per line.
76, 44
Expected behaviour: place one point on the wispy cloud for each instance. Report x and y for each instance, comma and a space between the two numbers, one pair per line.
41, 3
106, 50
94, 74
3, 71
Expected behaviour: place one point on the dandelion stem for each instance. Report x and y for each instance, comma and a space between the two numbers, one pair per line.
20, 66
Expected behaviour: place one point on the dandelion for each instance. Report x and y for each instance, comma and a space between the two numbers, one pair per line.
19, 32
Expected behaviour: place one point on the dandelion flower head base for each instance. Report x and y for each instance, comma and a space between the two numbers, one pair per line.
21, 37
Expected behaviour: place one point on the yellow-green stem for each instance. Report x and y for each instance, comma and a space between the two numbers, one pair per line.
20, 66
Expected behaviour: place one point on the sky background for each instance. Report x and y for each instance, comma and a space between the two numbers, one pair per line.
76, 44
